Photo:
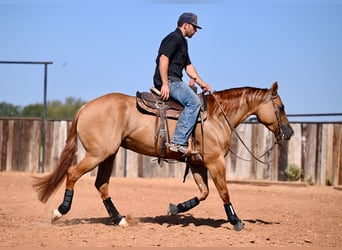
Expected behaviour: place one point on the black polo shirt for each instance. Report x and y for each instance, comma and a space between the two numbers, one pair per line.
175, 47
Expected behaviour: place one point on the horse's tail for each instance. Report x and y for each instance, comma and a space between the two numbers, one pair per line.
46, 185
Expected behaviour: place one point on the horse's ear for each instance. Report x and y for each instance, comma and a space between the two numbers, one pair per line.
274, 89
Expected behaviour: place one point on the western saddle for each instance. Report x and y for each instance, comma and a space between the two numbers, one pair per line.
151, 103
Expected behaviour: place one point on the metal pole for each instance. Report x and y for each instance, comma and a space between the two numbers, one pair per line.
43, 125
44, 118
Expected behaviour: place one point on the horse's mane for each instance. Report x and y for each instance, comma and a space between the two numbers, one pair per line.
232, 99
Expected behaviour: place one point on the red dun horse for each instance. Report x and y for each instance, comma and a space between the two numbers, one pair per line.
112, 121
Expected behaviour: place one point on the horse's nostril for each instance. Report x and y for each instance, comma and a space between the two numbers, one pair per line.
290, 133
287, 131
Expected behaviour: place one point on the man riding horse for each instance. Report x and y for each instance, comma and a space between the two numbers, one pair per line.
111, 121
172, 59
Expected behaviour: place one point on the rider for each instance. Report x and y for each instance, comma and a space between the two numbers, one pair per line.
172, 58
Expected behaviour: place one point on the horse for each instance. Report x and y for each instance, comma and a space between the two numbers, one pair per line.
111, 121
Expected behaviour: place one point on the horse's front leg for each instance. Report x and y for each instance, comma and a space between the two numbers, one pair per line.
102, 183
200, 174
218, 173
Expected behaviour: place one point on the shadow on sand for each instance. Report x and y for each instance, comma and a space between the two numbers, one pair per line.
181, 220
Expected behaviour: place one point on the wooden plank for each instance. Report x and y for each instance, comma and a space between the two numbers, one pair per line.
59, 134
336, 153
120, 163
318, 169
323, 157
9, 146
168, 169
3, 144
282, 160
243, 167
295, 146
329, 152
309, 145
50, 143
21, 143
231, 159
274, 165
48, 165
153, 170
34, 146
271, 156
133, 161
339, 156
178, 169
18, 149
262, 141
254, 149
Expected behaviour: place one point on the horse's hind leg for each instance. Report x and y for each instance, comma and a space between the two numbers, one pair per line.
73, 174
101, 183
200, 175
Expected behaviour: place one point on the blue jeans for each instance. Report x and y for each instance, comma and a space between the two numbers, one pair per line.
181, 92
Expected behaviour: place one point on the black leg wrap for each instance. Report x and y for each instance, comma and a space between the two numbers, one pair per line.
233, 218
183, 207
66, 205
112, 211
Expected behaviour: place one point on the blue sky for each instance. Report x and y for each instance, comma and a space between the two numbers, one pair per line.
103, 46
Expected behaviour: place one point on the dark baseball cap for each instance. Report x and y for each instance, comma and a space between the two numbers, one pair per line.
189, 18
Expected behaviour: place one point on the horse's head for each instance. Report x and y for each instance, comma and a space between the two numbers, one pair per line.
272, 114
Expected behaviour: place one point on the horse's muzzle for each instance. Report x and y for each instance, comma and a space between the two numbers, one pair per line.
285, 131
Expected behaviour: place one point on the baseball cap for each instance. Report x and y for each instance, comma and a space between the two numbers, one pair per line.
189, 18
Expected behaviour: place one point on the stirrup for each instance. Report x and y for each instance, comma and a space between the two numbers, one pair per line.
182, 149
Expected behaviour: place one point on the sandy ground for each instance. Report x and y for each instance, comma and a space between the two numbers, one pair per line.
273, 215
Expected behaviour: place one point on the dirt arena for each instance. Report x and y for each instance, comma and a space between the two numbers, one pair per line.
273, 215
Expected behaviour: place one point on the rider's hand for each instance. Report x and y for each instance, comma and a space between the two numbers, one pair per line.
165, 92
206, 87
192, 82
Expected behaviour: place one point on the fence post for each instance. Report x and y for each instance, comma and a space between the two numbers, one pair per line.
282, 160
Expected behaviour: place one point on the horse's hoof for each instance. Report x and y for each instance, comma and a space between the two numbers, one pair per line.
172, 210
123, 222
239, 225
55, 215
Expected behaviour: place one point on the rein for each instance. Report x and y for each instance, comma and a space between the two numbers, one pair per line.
240, 139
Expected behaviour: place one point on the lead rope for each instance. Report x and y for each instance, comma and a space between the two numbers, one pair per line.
240, 139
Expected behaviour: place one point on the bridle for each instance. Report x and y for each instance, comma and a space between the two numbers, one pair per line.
278, 135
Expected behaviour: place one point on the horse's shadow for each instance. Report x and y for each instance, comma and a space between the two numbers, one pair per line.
261, 222
183, 220
186, 220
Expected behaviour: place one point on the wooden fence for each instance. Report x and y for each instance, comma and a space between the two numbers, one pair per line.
316, 148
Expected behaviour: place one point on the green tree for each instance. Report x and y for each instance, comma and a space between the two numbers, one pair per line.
32, 110
56, 110
66, 110
7, 109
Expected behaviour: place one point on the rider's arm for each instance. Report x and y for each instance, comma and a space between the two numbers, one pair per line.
192, 73
163, 69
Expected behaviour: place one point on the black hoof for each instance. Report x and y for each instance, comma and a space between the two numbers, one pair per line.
173, 210
239, 225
